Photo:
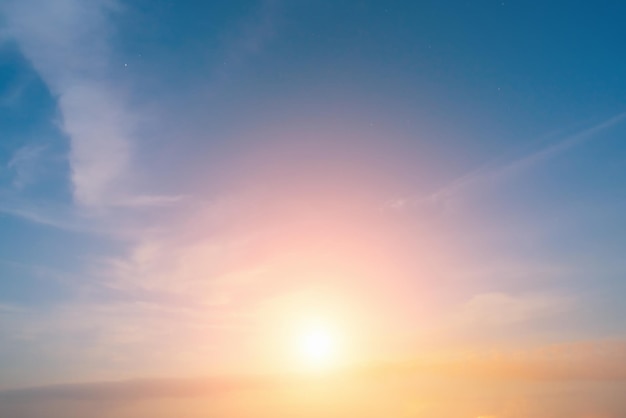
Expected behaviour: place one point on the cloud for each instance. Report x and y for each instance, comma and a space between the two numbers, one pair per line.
93, 339
67, 43
491, 172
127, 305
150, 200
10, 309
46, 213
587, 360
497, 170
24, 164
583, 379
70, 45
99, 128
144, 388
593, 360
501, 308
14, 93
248, 39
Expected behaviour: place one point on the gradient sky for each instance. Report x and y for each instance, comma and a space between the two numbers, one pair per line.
183, 184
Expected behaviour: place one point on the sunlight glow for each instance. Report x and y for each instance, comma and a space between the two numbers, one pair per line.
318, 347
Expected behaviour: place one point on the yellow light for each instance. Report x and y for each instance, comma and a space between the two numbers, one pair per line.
318, 346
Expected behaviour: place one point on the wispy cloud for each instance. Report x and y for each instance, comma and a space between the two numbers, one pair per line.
45, 213
498, 170
15, 92
491, 172
99, 128
118, 339
145, 388
10, 309
67, 43
501, 308
24, 164
593, 360
248, 39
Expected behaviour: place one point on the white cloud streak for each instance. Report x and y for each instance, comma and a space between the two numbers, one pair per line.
491, 173
494, 171
24, 164
66, 42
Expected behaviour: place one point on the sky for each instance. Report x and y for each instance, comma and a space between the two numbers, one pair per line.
187, 187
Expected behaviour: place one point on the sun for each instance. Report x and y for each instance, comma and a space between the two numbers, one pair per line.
318, 346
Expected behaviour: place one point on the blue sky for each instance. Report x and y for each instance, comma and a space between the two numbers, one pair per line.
171, 173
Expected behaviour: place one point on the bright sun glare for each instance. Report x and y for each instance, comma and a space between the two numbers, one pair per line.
318, 347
